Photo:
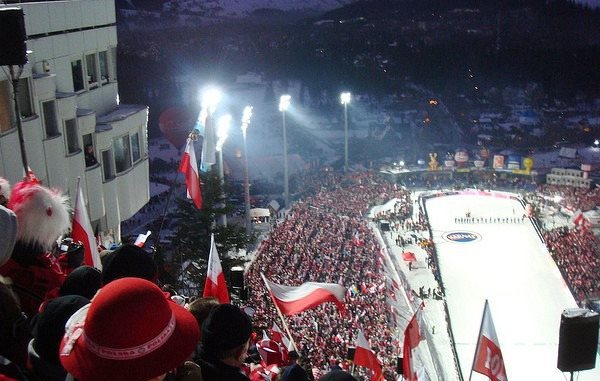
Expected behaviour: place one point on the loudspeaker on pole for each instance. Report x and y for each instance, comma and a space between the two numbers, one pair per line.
399, 365
578, 340
13, 48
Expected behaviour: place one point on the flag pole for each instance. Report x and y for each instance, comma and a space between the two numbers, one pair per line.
478, 339
285, 326
192, 135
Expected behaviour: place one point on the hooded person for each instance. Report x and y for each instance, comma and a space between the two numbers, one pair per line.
131, 331
128, 261
42, 216
48, 331
84, 281
224, 343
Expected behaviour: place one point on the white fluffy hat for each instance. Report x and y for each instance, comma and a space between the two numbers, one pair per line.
42, 213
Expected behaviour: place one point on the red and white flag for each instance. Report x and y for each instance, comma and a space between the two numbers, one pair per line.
189, 167
81, 230
279, 337
294, 299
364, 356
488, 356
413, 334
269, 351
215, 285
141, 239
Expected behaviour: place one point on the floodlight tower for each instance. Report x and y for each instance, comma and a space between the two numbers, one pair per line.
245, 122
222, 133
284, 104
345, 99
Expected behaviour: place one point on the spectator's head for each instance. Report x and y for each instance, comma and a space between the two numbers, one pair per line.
84, 281
42, 213
8, 227
48, 331
128, 261
293, 356
337, 375
131, 332
201, 307
226, 334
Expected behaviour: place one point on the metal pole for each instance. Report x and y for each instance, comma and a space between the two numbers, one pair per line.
223, 217
286, 184
345, 137
246, 187
15, 85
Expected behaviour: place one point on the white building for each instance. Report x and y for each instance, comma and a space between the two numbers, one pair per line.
68, 98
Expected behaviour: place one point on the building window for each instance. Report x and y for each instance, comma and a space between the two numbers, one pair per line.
107, 165
135, 147
122, 154
113, 63
103, 60
92, 73
6, 108
50, 122
24, 98
71, 136
77, 71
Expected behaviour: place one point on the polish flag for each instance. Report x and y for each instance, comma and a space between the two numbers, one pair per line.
141, 239
279, 337
412, 337
215, 285
189, 167
269, 351
294, 299
81, 230
488, 356
364, 356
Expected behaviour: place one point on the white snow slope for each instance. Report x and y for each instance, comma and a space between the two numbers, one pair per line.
510, 266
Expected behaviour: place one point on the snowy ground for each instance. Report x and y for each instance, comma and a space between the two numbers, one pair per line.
509, 265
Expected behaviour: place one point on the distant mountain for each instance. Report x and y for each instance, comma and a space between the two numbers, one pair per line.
232, 8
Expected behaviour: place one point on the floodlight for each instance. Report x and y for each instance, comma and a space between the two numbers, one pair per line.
284, 102
210, 99
345, 98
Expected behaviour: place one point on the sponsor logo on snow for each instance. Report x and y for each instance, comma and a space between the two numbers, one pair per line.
461, 236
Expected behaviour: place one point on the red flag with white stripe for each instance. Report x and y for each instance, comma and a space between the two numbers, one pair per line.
364, 356
215, 285
412, 337
294, 299
81, 230
189, 167
488, 356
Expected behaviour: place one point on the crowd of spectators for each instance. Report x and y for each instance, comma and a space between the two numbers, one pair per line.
325, 238
571, 198
577, 254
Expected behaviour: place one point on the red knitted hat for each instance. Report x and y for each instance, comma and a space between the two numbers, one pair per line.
129, 332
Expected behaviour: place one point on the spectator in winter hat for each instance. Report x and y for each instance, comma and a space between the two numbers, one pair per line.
128, 261
224, 343
337, 375
42, 216
84, 281
130, 332
48, 331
